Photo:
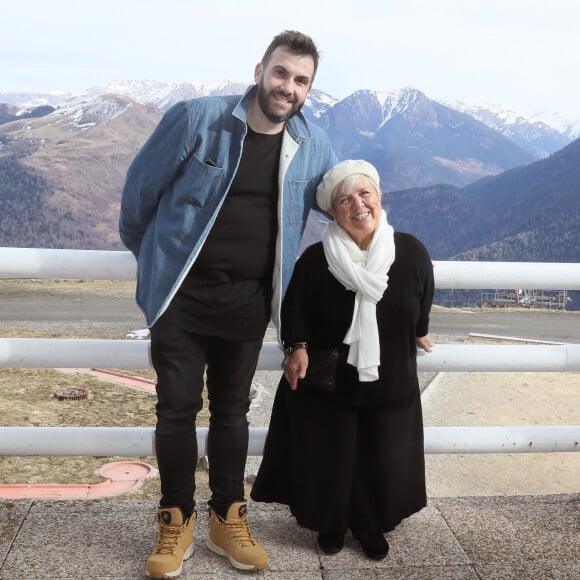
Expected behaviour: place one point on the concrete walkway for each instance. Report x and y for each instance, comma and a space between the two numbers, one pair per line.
519, 537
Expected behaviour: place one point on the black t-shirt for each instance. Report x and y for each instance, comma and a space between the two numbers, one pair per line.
230, 284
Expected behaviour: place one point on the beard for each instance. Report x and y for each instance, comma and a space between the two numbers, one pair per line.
275, 117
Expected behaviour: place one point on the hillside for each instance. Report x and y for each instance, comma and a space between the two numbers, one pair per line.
534, 210
77, 158
25, 216
526, 214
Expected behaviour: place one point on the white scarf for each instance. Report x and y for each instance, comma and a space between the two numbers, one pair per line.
366, 273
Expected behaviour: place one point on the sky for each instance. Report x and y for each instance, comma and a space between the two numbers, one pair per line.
521, 54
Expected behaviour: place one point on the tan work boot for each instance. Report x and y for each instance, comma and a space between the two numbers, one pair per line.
233, 539
174, 544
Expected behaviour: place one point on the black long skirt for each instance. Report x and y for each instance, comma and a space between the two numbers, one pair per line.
338, 467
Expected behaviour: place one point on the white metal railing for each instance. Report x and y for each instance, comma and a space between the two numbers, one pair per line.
133, 441
107, 265
133, 354
139, 441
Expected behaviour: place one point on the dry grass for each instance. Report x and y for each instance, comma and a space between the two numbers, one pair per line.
39, 288
27, 401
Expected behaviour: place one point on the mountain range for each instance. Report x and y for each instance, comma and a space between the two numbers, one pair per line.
530, 213
472, 183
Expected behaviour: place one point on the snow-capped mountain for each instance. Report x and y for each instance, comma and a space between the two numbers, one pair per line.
165, 94
74, 114
146, 92
397, 102
30, 100
565, 125
317, 103
86, 112
529, 132
417, 141
540, 134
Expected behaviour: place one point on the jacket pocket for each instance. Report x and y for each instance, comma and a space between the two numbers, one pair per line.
198, 184
300, 199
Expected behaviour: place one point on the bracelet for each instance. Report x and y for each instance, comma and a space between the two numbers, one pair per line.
296, 346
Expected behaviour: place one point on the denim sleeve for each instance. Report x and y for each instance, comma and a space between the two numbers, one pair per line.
152, 172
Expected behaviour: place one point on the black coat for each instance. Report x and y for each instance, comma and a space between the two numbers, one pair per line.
352, 458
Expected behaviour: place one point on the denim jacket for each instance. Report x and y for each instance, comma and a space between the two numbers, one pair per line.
178, 181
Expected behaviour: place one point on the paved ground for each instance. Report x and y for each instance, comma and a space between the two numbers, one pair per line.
459, 538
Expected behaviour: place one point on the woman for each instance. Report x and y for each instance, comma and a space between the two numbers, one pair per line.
352, 458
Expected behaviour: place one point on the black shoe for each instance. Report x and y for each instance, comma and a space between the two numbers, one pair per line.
331, 543
375, 546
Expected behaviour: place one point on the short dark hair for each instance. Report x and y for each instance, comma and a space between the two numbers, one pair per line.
297, 43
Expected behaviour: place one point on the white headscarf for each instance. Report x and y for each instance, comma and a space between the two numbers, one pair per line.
366, 273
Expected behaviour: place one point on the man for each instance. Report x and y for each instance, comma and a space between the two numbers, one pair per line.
214, 207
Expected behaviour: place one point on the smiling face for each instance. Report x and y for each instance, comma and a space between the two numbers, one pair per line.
283, 84
356, 207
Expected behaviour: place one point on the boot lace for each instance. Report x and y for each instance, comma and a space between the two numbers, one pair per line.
239, 531
168, 539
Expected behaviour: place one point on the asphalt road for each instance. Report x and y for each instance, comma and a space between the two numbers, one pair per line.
66, 309
531, 324
458, 324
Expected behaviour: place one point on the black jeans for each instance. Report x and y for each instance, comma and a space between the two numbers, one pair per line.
180, 358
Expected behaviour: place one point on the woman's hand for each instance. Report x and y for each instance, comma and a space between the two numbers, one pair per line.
295, 367
424, 342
